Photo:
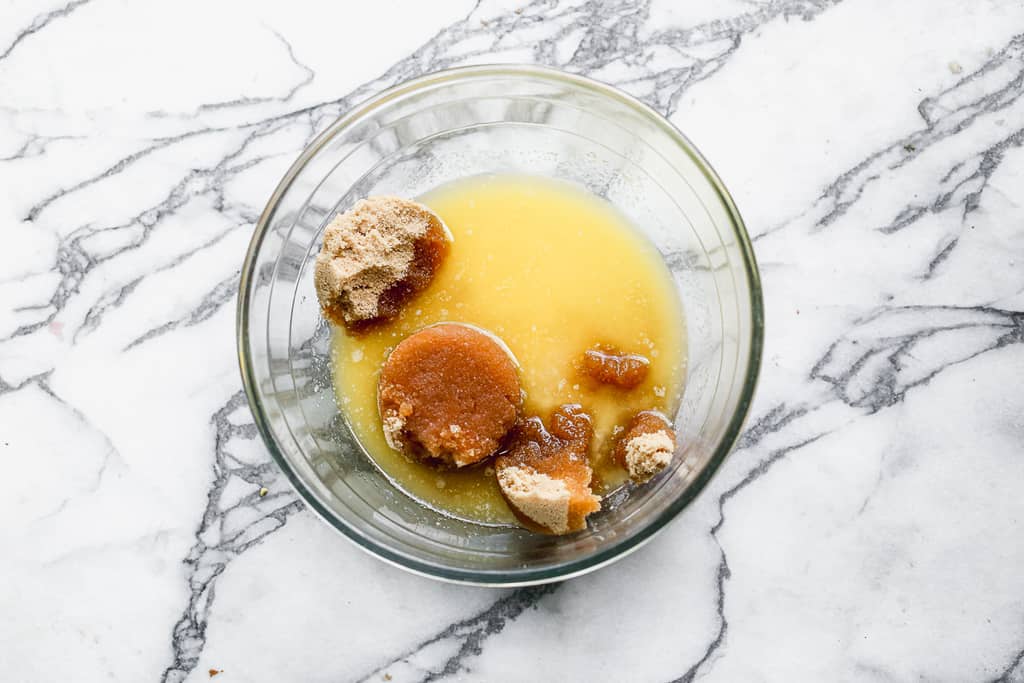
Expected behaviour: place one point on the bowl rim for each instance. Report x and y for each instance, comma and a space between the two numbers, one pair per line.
527, 575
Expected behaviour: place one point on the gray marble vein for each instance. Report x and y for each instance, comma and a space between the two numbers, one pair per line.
469, 636
40, 22
228, 528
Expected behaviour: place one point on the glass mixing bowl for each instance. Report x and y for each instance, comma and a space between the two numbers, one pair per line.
460, 123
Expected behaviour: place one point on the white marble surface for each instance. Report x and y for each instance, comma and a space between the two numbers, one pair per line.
869, 527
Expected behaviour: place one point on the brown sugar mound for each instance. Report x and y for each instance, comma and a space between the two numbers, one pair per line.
608, 365
375, 258
448, 394
545, 475
646, 446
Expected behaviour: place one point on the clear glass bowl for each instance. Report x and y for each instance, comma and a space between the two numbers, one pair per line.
459, 123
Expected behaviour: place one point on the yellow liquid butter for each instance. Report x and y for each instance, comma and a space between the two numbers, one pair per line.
552, 270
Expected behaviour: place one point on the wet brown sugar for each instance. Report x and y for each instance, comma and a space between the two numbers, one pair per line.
448, 394
608, 365
646, 446
376, 257
545, 474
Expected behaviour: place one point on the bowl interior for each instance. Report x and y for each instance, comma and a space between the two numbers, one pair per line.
482, 121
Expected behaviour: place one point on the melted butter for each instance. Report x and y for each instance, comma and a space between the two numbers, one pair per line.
551, 270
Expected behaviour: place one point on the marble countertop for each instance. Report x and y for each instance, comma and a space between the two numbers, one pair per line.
870, 525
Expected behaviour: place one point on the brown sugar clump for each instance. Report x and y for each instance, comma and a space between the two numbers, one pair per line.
610, 366
375, 258
448, 394
647, 445
545, 475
